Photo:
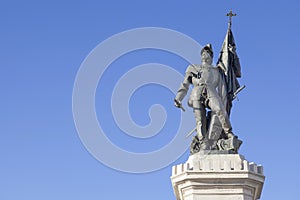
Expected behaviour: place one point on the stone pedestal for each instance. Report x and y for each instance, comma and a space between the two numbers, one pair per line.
207, 176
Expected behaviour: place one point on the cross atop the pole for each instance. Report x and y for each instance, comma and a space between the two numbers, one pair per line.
230, 15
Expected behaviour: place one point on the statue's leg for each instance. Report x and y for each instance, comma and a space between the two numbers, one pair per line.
218, 108
200, 116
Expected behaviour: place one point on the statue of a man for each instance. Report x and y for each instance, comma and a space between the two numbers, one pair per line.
208, 92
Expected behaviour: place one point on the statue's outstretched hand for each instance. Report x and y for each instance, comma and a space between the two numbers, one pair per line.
178, 104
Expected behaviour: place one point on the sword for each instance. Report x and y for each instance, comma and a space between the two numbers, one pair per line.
238, 91
190, 133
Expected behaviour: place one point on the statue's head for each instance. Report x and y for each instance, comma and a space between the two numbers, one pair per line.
207, 54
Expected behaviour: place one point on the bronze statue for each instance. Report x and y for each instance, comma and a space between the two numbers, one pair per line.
214, 89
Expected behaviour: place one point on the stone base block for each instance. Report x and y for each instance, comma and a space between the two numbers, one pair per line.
217, 176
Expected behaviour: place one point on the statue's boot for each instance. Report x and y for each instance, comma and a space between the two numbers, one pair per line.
200, 130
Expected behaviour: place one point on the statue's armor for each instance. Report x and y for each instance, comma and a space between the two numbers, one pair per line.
205, 80
206, 93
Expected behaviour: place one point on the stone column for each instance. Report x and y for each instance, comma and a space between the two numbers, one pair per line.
217, 177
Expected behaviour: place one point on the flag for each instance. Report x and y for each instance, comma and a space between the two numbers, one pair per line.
230, 67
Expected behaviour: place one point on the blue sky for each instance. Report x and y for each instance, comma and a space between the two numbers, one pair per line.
43, 44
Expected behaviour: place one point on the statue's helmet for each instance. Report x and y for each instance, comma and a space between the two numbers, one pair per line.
208, 48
